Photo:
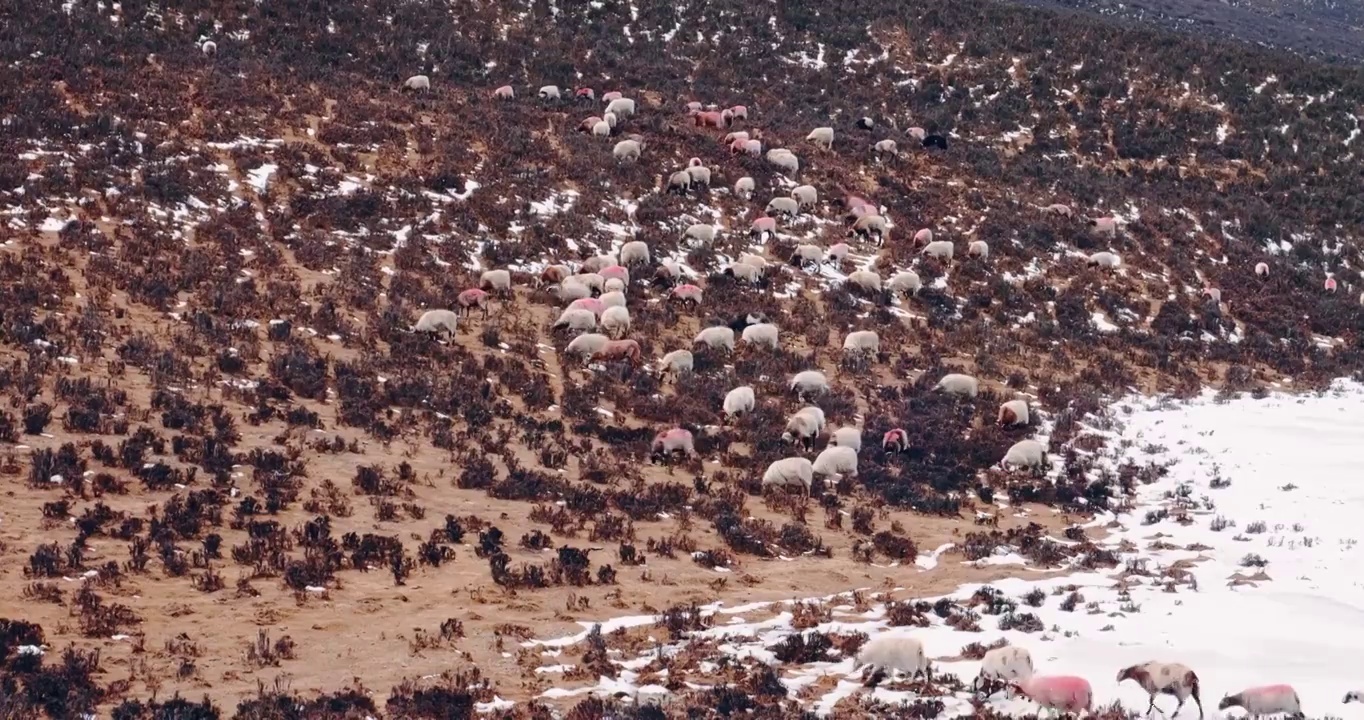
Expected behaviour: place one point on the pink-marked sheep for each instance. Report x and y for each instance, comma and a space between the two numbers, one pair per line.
858, 212
978, 248
804, 426
739, 112
744, 187
762, 335
836, 460
917, 133
1158, 678
806, 196
1262, 269
587, 345
589, 123
627, 150
671, 442
676, 362
618, 272
745, 272
679, 182
738, 401
822, 137
1008, 664
576, 319
1105, 226
906, 283
717, 336
1059, 209
1029, 454
838, 252
763, 225
615, 321
603, 127
687, 293
498, 281
809, 382
472, 298
553, 275
712, 119
849, 437
437, 323
862, 341
805, 255
851, 201
1353, 696
754, 147
596, 263
885, 147
635, 252
738, 147
865, 280
694, 107
1061, 693
613, 350
1265, 700
504, 93
549, 92
1013, 412
418, 82
940, 249
585, 94
784, 205
923, 236
1330, 284
889, 652
594, 304
959, 384
700, 232
871, 226
1105, 259
611, 97
895, 441
788, 473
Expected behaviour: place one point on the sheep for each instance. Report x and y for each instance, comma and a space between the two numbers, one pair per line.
762, 226
700, 175
866, 280
621, 107
866, 341
792, 472
809, 382
687, 293
785, 160
1009, 663
941, 249
924, 236
716, 336
1262, 269
806, 195
1159, 678
676, 362
1105, 259
614, 285
1330, 284
589, 123
744, 271
807, 255
670, 442
836, 460
784, 205
627, 350
1062, 693
585, 94
858, 212
693, 106
587, 344
595, 282
611, 120
739, 112
738, 135
1353, 696
757, 261
615, 272
870, 225
597, 263
1265, 700
738, 401
579, 319
804, 426
741, 322
437, 322
1026, 454
891, 651
601, 128
504, 93
848, 437
744, 186
627, 150
864, 123
978, 248
1104, 226
594, 304
549, 92
717, 120
885, 147
1058, 209
935, 141
822, 136
1013, 412
611, 97
761, 333
615, 321
906, 283
571, 289
496, 281
612, 298
959, 384
679, 181
837, 252
896, 440
917, 133
700, 231
635, 252
418, 82
209, 48
470, 299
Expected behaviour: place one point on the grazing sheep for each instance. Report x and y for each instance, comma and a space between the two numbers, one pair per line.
757, 261
806, 195
594, 304
615, 272
687, 293
739, 112
836, 460
807, 255
611, 298
1262, 269
1158, 678
601, 128
549, 92
1213, 294
504, 93
585, 94
1105, 259
809, 382
736, 136
1013, 412
762, 226
941, 249
1105, 226
885, 147
849, 437
838, 252
1353, 696
670, 442
587, 344
761, 333
418, 82
744, 186
785, 160
923, 236
700, 231
917, 133
1330, 284
578, 319
822, 136
621, 107
1062, 693
869, 226
866, 280
906, 282
866, 341
744, 271
571, 289
438, 322
804, 426
784, 205
888, 652
959, 384
978, 248
472, 298
1059, 209
1026, 454
496, 281
1009, 664
738, 401
635, 252
716, 337
615, 321
595, 282
627, 150
792, 472
676, 362
858, 212
896, 440
1265, 700
627, 350
209, 48
935, 141
611, 97
679, 182
700, 175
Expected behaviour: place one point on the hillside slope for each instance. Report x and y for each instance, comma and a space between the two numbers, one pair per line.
230, 461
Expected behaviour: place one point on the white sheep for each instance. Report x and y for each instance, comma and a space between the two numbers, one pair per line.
717, 336
804, 426
761, 334
806, 195
578, 319
549, 92
784, 159
1058, 209
553, 274
849, 437
959, 384
941, 249
701, 232
1013, 412
635, 252
615, 320
836, 460
809, 382
1105, 226
700, 175
571, 289
737, 135
597, 263
978, 248
601, 128
871, 226
680, 181
495, 281
1105, 259
822, 136
438, 322
1354, 696
587, 344
745, 272
1158, 678
615, 285
612, 298
676, 362
906, 283
784, 205
866, 280
621, 107
891, 651
866, 341
757, 261
744, 186
1026, 454
1265, 700
806, 254
885, 147
792, 472
627, 150
417, 82
838, 252
739, 400
1008, 664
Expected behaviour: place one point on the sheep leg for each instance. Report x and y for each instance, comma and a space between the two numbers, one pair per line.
1152, 707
